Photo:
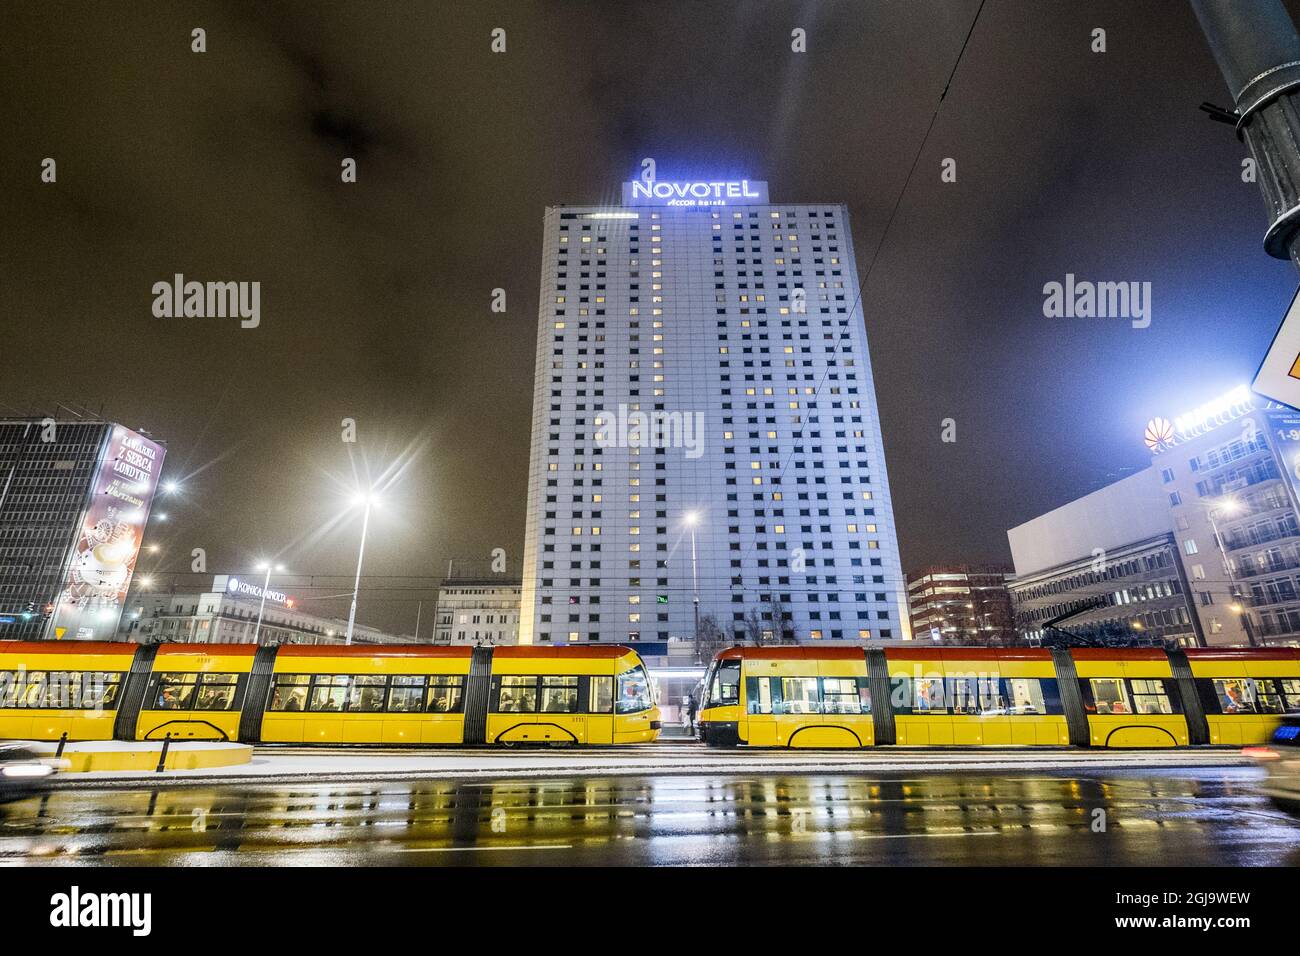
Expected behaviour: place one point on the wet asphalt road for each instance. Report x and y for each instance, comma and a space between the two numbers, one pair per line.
1176, 817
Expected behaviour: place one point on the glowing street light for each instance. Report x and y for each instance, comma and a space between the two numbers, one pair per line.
268, 568
368, 500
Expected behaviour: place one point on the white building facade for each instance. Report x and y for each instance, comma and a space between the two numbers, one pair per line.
229, 613
704, 411
478, 612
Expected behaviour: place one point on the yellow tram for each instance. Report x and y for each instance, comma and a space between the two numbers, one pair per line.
917, 696
326, 694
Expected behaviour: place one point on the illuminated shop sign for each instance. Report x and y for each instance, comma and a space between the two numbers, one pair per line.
1222, 409
236, 586
741, 192
1161, 433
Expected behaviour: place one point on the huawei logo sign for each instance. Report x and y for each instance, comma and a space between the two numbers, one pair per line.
1159, 433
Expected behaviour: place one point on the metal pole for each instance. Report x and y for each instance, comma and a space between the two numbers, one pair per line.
352, 614
1257, 49
262, 607
695, 587
418, 610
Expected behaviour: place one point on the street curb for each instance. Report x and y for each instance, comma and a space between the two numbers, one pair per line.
451, 775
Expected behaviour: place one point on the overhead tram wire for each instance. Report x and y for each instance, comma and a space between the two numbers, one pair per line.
866, 276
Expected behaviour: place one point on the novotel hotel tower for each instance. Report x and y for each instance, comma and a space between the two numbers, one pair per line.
705, 428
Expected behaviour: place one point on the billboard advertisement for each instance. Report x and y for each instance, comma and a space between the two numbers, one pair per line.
108, 541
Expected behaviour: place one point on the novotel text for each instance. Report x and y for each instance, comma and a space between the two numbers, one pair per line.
722, 193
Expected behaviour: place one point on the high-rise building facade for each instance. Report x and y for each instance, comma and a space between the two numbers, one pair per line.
74, 500
1229, 470
961, 604
705, 426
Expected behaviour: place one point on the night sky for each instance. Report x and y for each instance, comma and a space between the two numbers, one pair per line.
376, 296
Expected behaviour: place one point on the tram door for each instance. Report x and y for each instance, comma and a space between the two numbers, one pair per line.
600, 721
760, 712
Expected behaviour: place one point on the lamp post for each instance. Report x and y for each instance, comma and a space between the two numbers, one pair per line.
1232, 506
369, 500
266, 584
692, 519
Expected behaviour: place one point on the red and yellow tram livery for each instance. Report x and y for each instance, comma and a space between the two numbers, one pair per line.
917, 696
326, 694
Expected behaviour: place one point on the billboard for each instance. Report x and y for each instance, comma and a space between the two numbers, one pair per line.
108, 541
1278, 377
1285, 428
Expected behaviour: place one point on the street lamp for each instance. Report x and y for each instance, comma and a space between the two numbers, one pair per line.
692, 519
1232, 506
369, 500
264, 566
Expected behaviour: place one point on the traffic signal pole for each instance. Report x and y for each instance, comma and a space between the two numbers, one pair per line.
1257, 49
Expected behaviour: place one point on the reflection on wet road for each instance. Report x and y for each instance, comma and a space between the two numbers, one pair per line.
1186, 817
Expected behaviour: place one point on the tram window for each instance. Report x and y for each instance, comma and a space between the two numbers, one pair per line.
845, 695
406, 695
1026, 696
175, 691
10, 688
1151, 697
724, 689
60, 690
34, 695
1109, 696
290, 692
928, 697
56, 691
634, 691
1270, 701
216, 692
963, 695
559, 695
445, 693
1291, 695
1235, 695
366, 693
758, 695
329, 692
799, 695
518, 695
99, 690
602, 695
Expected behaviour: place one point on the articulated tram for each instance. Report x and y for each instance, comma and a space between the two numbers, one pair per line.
918, 696
326, 694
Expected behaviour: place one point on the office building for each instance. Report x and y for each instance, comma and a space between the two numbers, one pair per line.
961, 604
1229, 470
478, 610
74, 501
235, 610
1108, 560
705, 426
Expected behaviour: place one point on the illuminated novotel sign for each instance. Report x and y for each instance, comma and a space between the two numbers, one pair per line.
741, 192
